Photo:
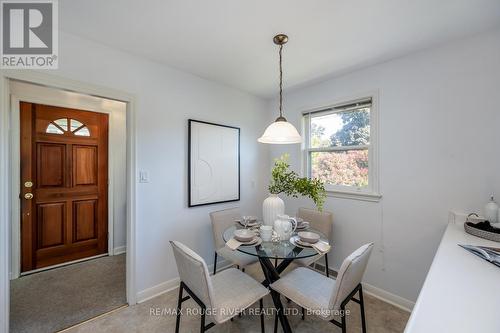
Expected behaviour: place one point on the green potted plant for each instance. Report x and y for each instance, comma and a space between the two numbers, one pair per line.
288, 182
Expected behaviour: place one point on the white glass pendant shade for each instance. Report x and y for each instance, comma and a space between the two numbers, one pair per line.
280, 132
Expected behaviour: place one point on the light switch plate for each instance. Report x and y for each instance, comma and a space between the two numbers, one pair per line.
143, 176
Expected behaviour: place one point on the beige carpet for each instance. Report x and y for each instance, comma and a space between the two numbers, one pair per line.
153, 316
56, 299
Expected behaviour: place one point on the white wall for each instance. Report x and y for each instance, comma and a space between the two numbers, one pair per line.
439, 136
166, 98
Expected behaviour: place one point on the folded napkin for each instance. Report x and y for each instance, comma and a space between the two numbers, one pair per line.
233, 244
321, 247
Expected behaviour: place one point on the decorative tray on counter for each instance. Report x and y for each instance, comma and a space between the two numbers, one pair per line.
483, 229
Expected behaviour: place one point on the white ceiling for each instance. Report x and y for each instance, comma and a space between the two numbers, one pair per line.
230, 41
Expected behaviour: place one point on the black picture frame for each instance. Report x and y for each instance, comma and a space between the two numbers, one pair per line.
190, 201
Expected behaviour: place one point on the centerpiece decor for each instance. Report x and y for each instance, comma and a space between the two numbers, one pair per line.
288, 182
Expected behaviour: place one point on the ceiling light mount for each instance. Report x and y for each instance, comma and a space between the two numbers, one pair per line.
280, 39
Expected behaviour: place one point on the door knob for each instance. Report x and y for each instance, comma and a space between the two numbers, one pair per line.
28, 184
28, 196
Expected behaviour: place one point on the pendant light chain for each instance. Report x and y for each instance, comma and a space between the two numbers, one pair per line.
281, 84
280, 131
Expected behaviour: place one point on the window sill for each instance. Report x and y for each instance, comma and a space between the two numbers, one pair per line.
362, 196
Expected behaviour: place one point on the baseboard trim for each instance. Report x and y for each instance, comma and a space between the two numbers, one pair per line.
169, 285
381, 294
388, 297
155, 291
119, 250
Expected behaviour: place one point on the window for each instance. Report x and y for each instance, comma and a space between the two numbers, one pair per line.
340, 148
63, 125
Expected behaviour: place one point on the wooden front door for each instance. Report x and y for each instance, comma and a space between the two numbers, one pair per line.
64, 180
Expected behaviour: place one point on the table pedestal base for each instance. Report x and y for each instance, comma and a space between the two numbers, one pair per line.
272, 274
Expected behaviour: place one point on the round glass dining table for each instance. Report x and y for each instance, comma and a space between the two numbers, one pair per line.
286, 252
275, 250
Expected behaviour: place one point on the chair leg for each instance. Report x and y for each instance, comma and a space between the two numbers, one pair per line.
275, 323
243, 269
215, 263
362, 305
327, 270
303, 315
342, 318
178, 314
261, 305
202, 327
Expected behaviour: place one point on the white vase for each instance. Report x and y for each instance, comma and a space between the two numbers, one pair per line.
271, 208
491, 211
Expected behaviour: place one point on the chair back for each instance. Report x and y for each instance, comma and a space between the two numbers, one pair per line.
321, 221
221, 220
193, 271
350, 274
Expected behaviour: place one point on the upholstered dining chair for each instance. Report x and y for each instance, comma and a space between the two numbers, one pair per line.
324, 296
321, 221
221, 296
221, 220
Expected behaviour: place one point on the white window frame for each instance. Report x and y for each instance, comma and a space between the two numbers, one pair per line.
368, 193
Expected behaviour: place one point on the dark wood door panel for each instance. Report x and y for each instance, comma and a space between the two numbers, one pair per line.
84, 220
50, 219
84, 165
64, 153
51, 160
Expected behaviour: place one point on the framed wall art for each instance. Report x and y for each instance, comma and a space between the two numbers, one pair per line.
213, 162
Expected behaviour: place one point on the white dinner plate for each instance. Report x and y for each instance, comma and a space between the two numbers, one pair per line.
254, 242
244, 235
295, 240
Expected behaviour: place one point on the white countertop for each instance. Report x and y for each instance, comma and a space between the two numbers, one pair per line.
461, 292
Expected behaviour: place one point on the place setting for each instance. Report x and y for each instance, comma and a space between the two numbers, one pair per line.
243, 237
248, 221
301, 224
307, 239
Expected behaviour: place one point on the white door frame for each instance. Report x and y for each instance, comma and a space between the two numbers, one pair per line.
6, 133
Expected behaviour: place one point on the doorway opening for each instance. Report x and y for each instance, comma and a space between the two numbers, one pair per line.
69, 214
64, 185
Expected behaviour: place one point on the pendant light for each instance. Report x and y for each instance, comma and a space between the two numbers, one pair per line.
281, 131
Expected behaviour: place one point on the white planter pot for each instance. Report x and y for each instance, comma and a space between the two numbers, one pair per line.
271, 208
